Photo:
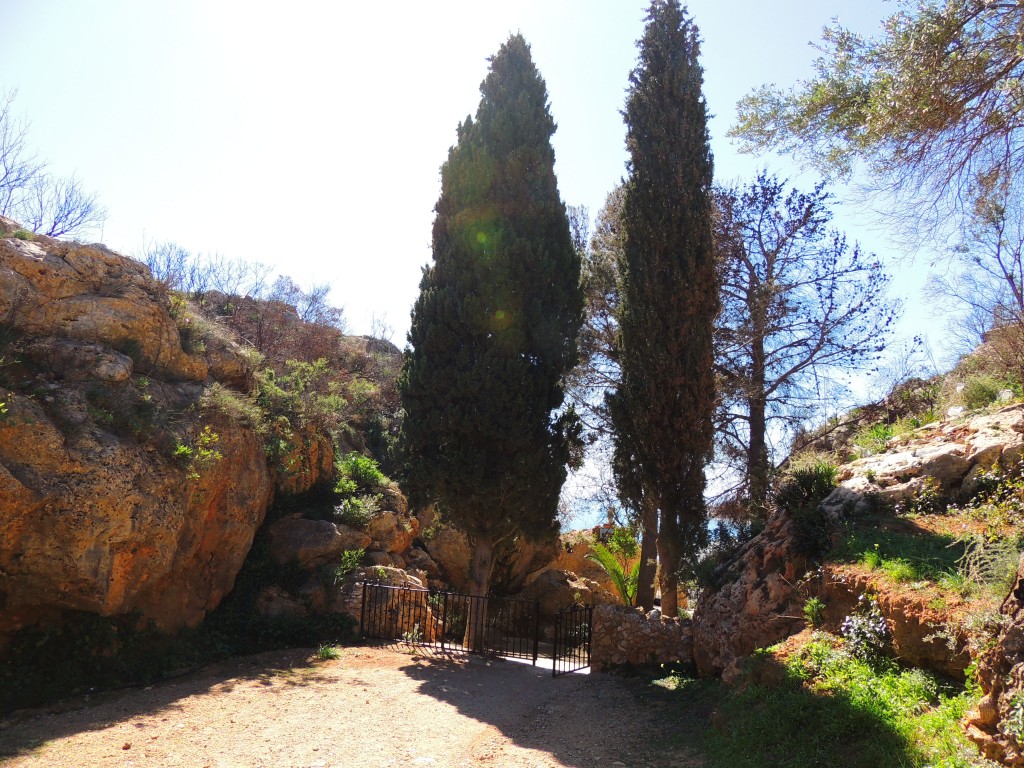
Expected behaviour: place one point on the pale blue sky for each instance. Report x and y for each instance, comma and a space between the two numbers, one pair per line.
309, 135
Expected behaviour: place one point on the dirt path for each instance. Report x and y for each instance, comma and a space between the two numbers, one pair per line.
373, 708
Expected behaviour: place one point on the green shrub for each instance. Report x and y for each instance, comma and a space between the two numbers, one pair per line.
361, 471
357, 511
327, 652
807, 485
814, 612
981, 390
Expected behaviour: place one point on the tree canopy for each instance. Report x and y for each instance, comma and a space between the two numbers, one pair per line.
799, 305
664, 405
933, 105
494, 328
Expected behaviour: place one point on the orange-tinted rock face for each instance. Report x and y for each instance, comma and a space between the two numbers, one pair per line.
100, 510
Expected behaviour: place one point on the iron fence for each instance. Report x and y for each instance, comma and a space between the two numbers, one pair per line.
451, 620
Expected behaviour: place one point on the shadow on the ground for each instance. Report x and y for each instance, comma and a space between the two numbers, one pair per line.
277, 670
576, 719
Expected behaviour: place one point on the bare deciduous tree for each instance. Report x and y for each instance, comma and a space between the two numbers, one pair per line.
49, 205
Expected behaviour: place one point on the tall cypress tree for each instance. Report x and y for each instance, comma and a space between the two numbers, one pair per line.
494, 327
665, 404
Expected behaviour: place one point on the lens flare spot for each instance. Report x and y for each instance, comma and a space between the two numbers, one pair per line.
501, 320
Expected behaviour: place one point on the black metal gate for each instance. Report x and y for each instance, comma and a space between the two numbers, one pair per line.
503, 626
500, 626
572, 639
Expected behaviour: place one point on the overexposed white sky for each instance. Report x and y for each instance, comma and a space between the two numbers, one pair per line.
309, 135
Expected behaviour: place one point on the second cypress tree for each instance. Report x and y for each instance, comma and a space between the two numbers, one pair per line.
664, 406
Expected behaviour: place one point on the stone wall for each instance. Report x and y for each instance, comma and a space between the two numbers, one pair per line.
623, 636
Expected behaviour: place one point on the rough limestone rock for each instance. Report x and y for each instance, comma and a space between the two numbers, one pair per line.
572, 556
950, 454
514, 567
93, 522
449, 549
1001, 674
392, 533
557, 590
311, 543
758, 602
307, 463
50, 288
99, 511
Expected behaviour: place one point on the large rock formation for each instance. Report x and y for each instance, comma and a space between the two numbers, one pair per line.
121, 489
757, 602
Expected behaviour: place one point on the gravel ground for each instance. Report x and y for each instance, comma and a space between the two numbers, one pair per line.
372, 708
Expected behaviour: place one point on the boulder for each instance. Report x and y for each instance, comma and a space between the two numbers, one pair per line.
311, 542
50, 288
392, 532
93, 521
557, 590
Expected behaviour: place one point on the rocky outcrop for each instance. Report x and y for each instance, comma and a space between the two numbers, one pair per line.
951, 455
997, 725
627, 637
514, 567
557, 590
88, 293
758, 600
120, 491
572, 556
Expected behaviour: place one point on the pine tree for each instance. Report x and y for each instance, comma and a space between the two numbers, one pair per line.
669, 292
485, 437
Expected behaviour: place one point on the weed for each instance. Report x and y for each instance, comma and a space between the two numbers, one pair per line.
349, 561
23, 234
233, 405
414, 635
1014, 722
357, 511
900, 570
871, 439
325, 652
814, 612
201, 454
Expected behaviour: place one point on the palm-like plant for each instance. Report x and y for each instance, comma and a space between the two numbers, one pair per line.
625, 583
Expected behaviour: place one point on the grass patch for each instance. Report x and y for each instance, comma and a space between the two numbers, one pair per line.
903, 557
829, 709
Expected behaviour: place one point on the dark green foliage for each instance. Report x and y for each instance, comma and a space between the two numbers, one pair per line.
801, 494
494, 327
663, 408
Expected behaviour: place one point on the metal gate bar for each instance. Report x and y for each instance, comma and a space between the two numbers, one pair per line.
572, 639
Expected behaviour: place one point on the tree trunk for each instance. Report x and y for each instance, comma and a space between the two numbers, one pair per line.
668, 581
480, 566
757, 456
648, 555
